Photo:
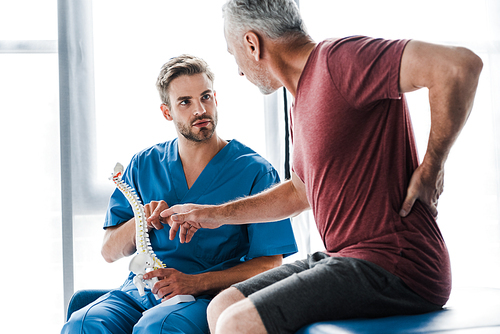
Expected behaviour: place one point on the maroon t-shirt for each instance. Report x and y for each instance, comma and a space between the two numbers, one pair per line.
355, 151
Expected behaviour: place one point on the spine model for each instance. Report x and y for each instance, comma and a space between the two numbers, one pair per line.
145, 260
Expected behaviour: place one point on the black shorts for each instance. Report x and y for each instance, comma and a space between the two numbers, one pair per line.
323, 288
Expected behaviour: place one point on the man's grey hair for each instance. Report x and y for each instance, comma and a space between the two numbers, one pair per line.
274, 18
177, 66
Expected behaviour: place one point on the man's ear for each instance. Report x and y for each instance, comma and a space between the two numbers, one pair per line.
215, 98
166, 112
252, 44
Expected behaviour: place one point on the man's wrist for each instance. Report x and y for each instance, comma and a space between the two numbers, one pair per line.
434, 160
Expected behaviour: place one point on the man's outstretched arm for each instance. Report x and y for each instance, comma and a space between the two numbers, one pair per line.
451, 74
285, 200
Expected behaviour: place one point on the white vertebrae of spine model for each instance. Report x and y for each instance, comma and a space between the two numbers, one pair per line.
143, 244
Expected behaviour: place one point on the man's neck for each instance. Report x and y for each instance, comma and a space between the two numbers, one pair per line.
290, 60
196, 155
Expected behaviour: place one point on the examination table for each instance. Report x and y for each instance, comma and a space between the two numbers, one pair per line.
469, 311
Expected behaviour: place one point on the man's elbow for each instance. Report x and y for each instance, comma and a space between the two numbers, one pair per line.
468, 67
108, 251
477, 65
106, 255
273, 262
105, 248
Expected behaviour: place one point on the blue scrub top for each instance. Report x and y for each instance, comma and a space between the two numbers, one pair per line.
236, 171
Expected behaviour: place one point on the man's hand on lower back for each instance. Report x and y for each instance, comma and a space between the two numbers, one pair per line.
426, 185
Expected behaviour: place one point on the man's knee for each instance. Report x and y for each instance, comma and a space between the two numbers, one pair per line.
226, 298
112, 313
241, 317
221, 302
83, 321
181, 318
73, 325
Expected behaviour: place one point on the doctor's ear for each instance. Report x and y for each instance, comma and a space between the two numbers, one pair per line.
166, 112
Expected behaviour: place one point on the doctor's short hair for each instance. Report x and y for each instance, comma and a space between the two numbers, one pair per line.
274, 18
182, 65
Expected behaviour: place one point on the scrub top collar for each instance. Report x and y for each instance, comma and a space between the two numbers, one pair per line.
204, 180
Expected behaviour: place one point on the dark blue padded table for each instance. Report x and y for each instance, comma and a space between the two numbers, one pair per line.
469, 311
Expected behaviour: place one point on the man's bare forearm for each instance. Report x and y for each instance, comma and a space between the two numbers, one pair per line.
119, 241
451, 74
451, 102
282, 201
216, 281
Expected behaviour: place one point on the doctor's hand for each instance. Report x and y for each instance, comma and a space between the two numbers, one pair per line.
152, 211
188, 218
426, 185
172, 282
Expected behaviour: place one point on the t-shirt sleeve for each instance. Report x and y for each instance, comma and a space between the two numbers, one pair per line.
274, 238
119, 209
365, 69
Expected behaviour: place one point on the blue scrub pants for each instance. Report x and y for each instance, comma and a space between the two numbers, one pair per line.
117, 312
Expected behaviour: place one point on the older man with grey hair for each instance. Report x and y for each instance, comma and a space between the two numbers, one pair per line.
355, 165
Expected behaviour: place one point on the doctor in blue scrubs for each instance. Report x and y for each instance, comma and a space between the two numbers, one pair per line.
197, 167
